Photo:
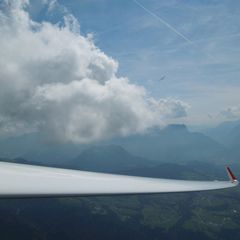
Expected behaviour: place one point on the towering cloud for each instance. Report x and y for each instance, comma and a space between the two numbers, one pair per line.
56, 81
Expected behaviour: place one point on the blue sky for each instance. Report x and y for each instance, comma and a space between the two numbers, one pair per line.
204, 72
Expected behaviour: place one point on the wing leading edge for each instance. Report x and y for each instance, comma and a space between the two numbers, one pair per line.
20, 180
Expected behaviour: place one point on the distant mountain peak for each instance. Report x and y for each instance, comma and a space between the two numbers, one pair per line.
107, 158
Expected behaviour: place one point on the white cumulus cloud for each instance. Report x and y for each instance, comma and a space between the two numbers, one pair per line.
57, 81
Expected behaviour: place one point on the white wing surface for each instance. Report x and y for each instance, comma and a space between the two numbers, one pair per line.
20, 180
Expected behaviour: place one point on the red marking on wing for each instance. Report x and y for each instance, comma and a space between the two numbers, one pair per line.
231, 175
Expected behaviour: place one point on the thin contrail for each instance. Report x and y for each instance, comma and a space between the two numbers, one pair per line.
163, 21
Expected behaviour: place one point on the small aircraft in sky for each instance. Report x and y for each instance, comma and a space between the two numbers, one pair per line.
162, 78
22, 181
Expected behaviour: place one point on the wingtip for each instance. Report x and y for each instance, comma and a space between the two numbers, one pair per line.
231, 175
